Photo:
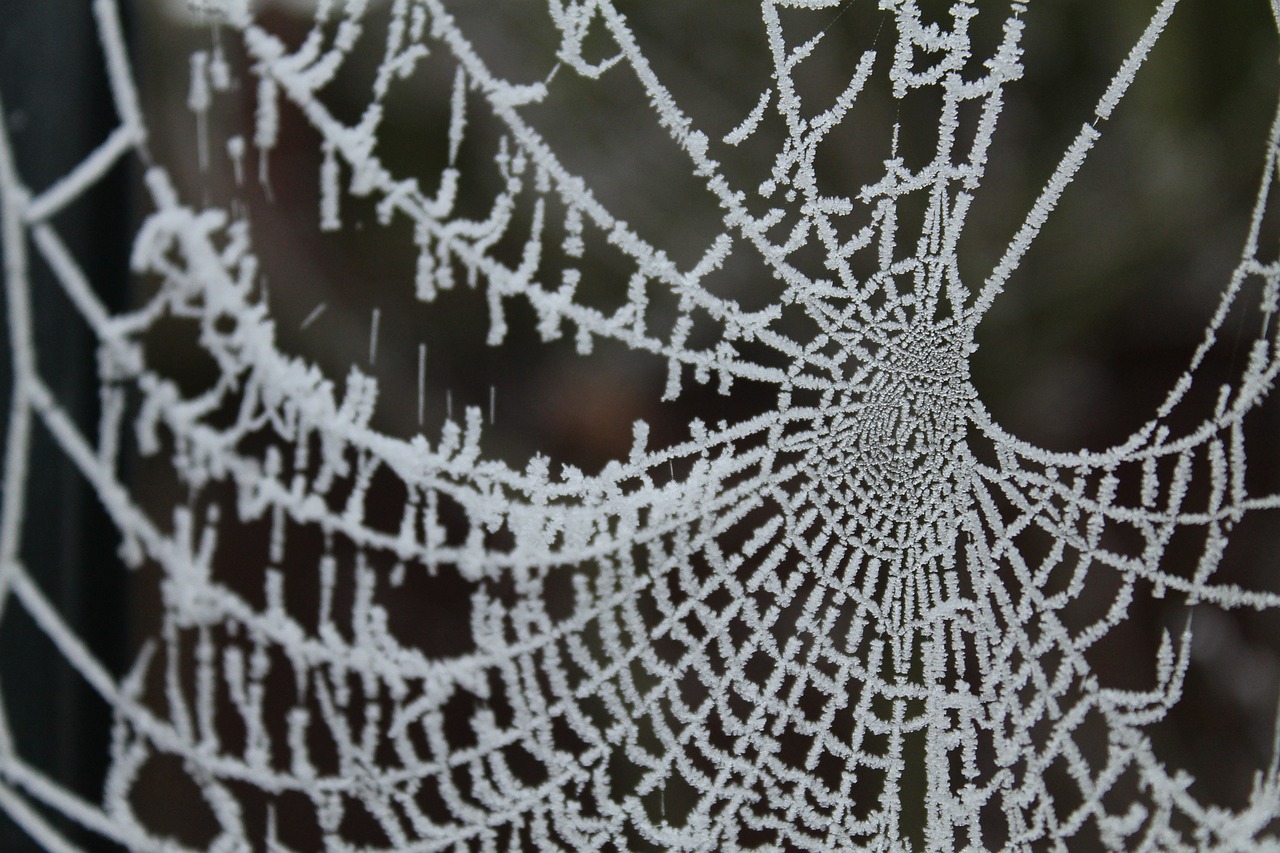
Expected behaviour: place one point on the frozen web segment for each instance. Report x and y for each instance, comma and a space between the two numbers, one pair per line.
768, 640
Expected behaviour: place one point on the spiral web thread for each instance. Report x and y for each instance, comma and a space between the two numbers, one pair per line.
828, 601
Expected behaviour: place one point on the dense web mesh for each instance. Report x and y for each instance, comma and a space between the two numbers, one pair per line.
840, 609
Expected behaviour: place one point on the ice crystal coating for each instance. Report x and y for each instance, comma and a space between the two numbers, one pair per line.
811, 628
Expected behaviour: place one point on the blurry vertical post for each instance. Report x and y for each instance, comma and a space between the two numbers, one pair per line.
57, 108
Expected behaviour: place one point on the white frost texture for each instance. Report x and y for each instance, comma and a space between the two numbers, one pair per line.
838, 619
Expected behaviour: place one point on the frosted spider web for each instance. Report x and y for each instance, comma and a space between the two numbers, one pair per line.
813, 628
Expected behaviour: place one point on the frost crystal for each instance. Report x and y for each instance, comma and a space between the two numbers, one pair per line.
815, 626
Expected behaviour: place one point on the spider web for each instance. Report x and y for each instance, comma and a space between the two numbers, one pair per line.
815, 627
